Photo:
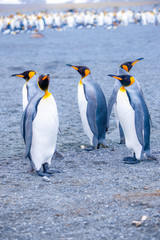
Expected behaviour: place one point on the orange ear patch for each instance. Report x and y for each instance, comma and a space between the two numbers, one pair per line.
125, 67
31, 74
132, 80
87, 72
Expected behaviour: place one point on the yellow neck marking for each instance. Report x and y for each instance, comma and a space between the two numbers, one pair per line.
87, 72
132, 81
122, 89
47, 94
80, 82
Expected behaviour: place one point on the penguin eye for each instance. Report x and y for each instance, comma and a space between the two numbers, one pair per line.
81, 71
127, 79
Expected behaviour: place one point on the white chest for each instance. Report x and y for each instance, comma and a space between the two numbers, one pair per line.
47, 115
82, 103
44, 132
125, 113
126, 117
123, 105
24, 96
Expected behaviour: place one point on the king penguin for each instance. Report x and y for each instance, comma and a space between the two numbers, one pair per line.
134, 117
40, 128
124, 69
92, 107
30, 87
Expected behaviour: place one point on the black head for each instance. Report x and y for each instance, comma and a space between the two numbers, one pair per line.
27, 75
43, 82
126, 80
128, 65
83, 70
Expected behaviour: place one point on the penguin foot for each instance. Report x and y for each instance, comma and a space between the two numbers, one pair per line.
52, 171
122, 141
58, 154
131, 160
102, 145
151, 158
42, 174
47, 170
32, 170
89, 148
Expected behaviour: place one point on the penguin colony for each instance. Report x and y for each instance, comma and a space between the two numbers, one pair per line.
20, 22
40, 123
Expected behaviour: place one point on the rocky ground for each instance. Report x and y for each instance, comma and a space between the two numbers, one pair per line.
96, 196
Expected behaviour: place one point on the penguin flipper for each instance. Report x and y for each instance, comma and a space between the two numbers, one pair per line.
22, 126
121, 133
147, 125
91, 110
91, 115
28, 134
30, 113
139, 123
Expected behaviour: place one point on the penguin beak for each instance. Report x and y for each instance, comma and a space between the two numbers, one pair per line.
76, 68
17, 75
110, 75
139, 59
46, 77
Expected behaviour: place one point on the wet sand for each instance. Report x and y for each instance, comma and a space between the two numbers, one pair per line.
5, 8
96, 196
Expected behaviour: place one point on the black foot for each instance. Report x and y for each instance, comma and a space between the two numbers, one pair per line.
102, 145
47, 170
90, 149
131, 160
32, 170
52, 171
42, 174
151, 158
122, 141
58, 154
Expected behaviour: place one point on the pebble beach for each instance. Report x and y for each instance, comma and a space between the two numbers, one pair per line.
96, 196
